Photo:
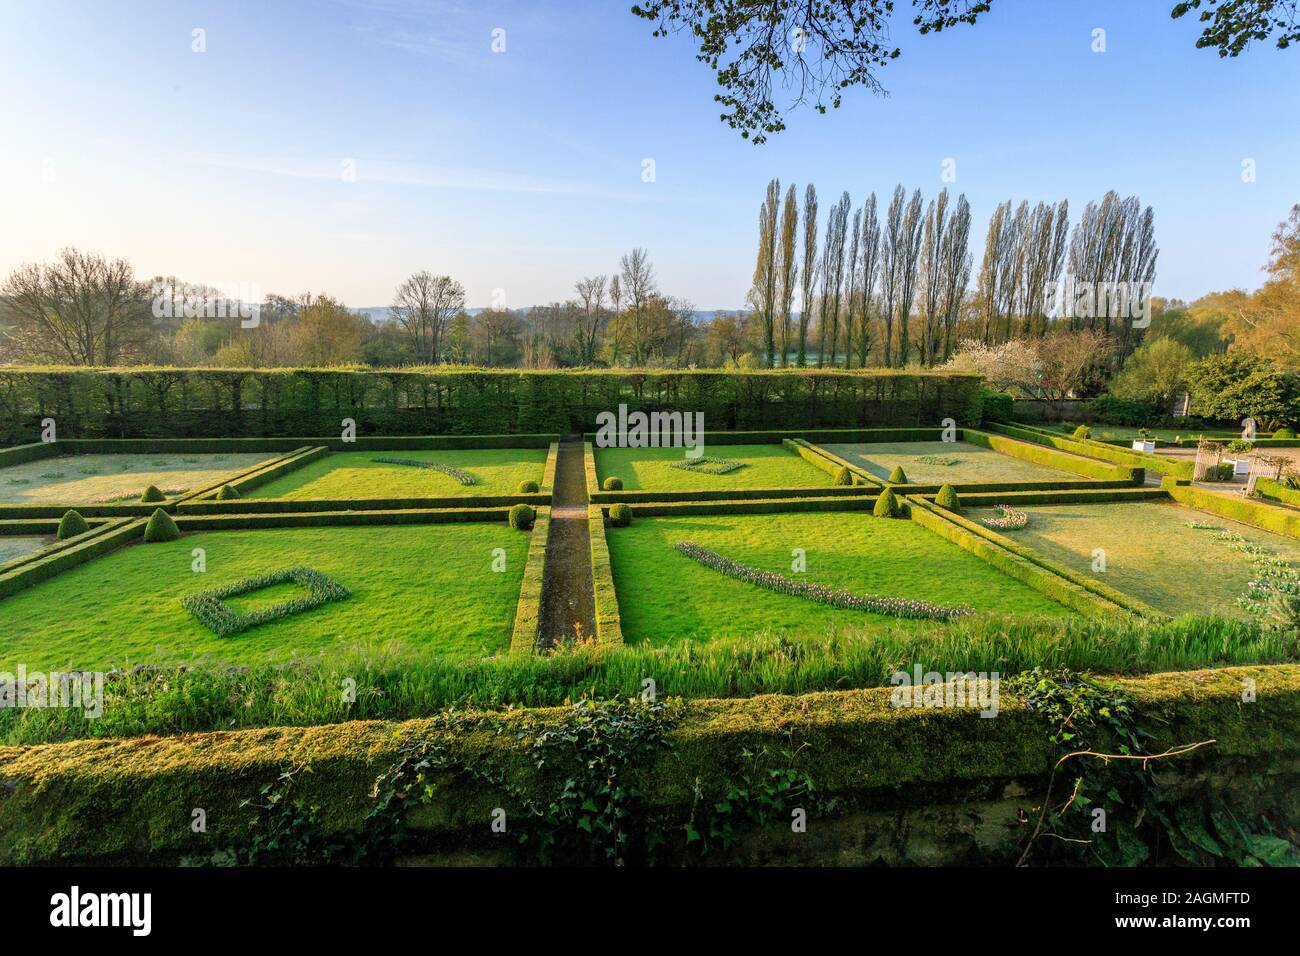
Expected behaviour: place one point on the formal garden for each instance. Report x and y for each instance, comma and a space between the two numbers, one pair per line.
236, 581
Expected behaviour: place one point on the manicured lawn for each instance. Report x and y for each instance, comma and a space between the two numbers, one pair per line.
90, 479
665, 597
650, 469
356, 474
430, 588
973, 463
1151, 552
18, 545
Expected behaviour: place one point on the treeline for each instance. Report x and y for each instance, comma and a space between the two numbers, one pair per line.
891, 287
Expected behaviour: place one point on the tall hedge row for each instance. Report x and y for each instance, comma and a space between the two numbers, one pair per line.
158, 402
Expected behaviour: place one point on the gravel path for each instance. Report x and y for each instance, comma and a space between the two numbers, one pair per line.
568, 603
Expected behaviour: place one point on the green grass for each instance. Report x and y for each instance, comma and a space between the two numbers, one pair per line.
18, 545
398, 682
650, 469
973, 462
1125, 433
1151, 552
429, 586
665, 597
87, 479
354, 474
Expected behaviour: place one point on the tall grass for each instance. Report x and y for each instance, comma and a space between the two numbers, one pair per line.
393, 684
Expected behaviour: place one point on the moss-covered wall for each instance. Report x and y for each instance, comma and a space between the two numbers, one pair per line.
902, 781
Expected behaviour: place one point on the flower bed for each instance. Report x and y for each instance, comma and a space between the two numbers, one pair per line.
216, 615
1010, 520
895, 607
460, 474
708, 466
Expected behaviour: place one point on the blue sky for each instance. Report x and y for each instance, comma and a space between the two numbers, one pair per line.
522, 171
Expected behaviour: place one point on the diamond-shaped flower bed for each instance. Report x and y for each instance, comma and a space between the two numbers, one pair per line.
460, 474
709, 466
220, 618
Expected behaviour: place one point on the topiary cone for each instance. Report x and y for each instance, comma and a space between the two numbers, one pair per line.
161, 527
228, 493
898, 476
947, 498
843, 476
71, 526
886, 505
152, 495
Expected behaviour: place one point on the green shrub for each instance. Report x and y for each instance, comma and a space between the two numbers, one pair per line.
843, 476
620, 515
1083, 431
947, 498
227, 493
897, 476
161, 527
528, 487
71, 526
152, 495
521, 517
1286, 433
1221, 472
998, 406
613, 483
887, 505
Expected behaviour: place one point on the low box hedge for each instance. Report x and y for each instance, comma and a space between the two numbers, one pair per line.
130, 801
1055, 456
260, 474
527, 629
187, 521
1095, 449
63, 545
302, 505
548, 470
731, 494
22, 454
120, 510
1276, 491
1001, 487
284, 445
1084, 496
609, 623
81, 549
1238, 507
755, 506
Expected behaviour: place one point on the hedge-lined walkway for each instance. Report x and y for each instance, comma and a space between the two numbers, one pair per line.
568, 601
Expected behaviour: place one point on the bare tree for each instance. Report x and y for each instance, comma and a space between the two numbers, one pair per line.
809, 283
423, 305
80, 309
890, 254
870, 269
789, 267
837, 223
764, 291
591, 299
956, 270
932, 278
908, 263
851, 293
639, 287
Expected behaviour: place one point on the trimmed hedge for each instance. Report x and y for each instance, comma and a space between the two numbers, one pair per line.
609, 623
991, 487
887, 505
227, 493
527, 631
22, 454
1237, 507
528, 487
947, 499
212, 506
260, 474
120, 801
1128, 458
131, 402
58, 558
1276, 491
620, 516
1099, 496
749, 506
1065, 459
239, 520
152, 496
733, 494
612, 483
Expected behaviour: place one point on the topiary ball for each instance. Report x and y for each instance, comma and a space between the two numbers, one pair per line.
152, 495
613, 483
1284, 432
71, 526
528, 487
1083, 431
843, 476
228, 493
161, 527
898, 476
887, 505
947, 498
620, 516
522, 517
